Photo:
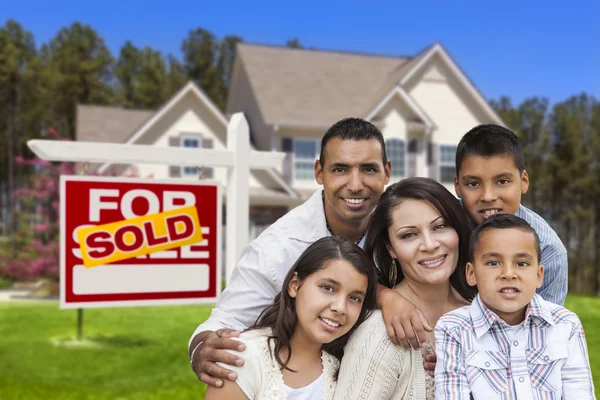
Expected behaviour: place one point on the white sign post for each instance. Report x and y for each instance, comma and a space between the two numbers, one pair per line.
238, 158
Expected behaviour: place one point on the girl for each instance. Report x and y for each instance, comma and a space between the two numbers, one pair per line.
293, 350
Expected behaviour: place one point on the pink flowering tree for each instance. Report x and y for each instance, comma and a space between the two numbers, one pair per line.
38, 237
38, 212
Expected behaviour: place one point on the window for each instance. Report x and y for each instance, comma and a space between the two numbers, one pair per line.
194, 143
447, 163
306, 151
396, 153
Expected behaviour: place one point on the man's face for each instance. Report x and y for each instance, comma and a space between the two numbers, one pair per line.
506, 270
490, 185
353, 178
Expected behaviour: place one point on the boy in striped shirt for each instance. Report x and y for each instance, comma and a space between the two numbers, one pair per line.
510, 343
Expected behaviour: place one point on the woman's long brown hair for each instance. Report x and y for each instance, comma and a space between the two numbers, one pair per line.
450, 209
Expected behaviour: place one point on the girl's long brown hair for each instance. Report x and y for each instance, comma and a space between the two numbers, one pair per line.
281, 315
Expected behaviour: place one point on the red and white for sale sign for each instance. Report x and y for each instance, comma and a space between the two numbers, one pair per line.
139, 217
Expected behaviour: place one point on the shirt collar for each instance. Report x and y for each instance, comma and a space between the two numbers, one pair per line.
311, 225
483, 319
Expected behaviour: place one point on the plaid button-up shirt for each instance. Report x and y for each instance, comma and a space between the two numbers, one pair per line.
480, 355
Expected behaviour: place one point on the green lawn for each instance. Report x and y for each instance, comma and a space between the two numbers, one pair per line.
134, 353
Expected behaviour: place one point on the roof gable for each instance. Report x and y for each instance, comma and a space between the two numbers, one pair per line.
108, 124
398, 91
299, 87
439, 51
292, 85
189, 88
269, 178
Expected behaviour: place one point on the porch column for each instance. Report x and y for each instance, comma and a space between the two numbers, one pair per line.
421, 158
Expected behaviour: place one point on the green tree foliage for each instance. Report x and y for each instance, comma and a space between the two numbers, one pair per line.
79, 68
199, 55
224, 67
594, 190
528, 121
142, 76
126, 70
152, 80
37, 244
19, 109
208, 62
562, 156
176, 77
294, 44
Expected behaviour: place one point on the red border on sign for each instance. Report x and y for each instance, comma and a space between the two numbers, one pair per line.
75, 202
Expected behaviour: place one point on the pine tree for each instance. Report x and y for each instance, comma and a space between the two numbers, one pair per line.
17, 110
79, 66
151, 84
126, 70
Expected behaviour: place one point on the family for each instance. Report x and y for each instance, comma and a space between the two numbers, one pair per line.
403, 293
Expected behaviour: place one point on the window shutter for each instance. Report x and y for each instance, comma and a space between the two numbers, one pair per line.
429, 153
434, 167
287, 145
174, 170
207, 143
207, 172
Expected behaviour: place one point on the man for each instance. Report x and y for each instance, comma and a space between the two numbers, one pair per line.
353, 169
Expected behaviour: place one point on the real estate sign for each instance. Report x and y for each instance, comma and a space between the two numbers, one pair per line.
127, 242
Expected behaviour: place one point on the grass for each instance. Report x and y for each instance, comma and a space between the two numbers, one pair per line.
132, 353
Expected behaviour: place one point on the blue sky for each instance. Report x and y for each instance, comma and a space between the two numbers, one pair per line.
520, 49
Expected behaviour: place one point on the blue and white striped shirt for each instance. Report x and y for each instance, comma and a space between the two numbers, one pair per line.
554, 258
543, 358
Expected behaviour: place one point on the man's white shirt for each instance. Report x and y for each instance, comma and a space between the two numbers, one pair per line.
264, 264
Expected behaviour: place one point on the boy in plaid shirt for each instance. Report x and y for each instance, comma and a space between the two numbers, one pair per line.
510, 343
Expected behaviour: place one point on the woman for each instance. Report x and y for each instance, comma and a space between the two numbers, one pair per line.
419, 237
293, 350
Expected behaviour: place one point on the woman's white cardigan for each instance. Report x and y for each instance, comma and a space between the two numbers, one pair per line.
373, 368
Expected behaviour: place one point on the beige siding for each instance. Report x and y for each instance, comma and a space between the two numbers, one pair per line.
394, 115
450, 107
242, 99
191, 117
447, 103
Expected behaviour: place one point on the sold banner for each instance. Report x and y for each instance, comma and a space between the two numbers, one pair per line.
138, 242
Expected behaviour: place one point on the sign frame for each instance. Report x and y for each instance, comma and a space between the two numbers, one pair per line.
64, 179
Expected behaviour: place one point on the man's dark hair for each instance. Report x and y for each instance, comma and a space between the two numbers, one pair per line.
488, 141
352, 129
502, 221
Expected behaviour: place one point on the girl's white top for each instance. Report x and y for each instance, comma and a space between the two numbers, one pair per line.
260, 377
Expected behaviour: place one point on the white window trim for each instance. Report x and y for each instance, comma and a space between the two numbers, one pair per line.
311, 160
193, 136
405, 158
443, 163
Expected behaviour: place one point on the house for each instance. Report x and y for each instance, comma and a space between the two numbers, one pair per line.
422, 104
188, 119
